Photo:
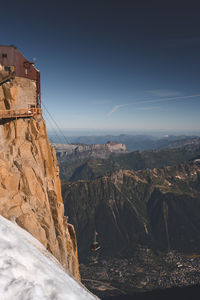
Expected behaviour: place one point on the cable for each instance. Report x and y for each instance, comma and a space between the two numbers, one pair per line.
52, 127
55, 123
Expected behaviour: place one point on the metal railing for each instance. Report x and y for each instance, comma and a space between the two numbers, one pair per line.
19, 113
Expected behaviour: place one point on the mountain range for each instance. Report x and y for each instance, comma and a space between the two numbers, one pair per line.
133, 142
158, 208
91, 161
144, 206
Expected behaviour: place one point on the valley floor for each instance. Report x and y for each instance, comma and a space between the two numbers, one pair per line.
143, 272
191, 292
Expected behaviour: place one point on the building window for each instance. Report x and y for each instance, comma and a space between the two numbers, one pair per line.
26, 72
4, 55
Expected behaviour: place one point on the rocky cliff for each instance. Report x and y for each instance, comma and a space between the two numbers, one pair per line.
78, 151
30, 189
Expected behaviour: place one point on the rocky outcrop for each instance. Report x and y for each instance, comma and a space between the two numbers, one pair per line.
75, 151
30, 190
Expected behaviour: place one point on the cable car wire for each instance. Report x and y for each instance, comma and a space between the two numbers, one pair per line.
60, 131
54, 130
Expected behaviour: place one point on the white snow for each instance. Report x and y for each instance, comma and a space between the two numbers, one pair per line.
29, 272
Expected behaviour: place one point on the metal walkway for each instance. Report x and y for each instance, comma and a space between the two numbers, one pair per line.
19, 113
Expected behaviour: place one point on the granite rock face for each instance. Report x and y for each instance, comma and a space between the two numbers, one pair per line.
30, 190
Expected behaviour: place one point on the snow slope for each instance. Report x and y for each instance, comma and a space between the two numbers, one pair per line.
29, 272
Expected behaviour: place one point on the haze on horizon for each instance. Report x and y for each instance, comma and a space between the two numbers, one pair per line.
112, 65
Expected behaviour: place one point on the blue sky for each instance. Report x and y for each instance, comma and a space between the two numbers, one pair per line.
112, 65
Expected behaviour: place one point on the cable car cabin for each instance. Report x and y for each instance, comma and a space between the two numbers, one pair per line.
19, 85
95, 246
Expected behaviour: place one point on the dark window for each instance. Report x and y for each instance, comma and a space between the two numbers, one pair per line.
4, 55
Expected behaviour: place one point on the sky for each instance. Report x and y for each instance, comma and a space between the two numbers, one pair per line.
112, 64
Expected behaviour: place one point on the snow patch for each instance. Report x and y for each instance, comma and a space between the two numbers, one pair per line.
29, 272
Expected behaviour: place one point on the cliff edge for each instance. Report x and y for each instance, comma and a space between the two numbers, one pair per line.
30, 190
74, 152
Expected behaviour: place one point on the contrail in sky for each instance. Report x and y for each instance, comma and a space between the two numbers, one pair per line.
169, 99
116, 107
